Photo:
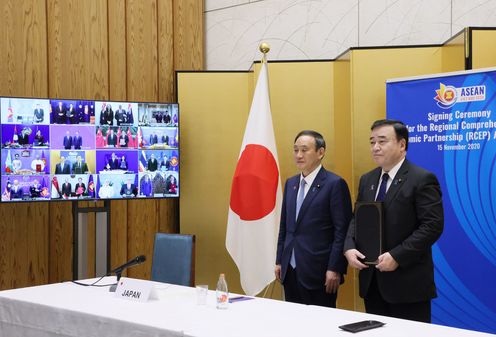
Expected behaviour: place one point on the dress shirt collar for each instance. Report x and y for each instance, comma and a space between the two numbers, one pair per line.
392, 173
311, 177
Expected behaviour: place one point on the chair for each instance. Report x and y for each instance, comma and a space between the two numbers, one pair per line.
174, 259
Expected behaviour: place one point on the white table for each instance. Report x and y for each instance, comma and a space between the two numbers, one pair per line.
66, 309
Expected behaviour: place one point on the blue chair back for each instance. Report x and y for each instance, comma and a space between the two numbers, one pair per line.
174, 259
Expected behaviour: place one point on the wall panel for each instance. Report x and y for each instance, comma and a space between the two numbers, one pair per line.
23, 61
118, 233
142, 226
23, 70
60, 241
117, 18
483, 48
166, 51
188, 35
78, 48
141, 49
92, 49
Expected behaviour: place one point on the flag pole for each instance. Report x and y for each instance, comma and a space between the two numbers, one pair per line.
264, 48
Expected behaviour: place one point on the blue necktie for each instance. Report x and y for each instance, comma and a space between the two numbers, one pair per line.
300, 197
299, 201
383, 188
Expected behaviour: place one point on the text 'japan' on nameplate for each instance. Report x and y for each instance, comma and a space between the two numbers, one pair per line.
134, 290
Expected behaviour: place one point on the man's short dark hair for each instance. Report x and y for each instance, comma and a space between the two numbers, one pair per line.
319, 140
399, 128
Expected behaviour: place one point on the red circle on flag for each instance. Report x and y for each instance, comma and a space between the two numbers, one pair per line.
254, 187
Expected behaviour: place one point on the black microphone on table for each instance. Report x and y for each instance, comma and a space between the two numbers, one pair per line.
118, 271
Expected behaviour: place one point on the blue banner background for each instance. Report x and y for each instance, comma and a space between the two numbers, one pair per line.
465, 255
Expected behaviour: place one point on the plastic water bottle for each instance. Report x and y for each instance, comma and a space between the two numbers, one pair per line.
222, 293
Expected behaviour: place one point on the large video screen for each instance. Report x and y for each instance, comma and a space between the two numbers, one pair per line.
59, 149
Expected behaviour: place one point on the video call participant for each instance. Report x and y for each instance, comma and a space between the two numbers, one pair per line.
129, 115
111, 138
153, 139
16, 191
316, 212
35, 189
402, 283
84, 114
123, 140
80, 188
16, 163
123, 164
79, 167
113, 163
60, 113
38, 114
38, 165
62, 167
66, 188
120, 116
107, 115
77, 141
171, 185
67, 141
23, 138
70, 114
152, 163
128, 189
106, 190
39, 139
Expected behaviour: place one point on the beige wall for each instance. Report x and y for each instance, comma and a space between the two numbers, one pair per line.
340, 99
483, 51
214, 106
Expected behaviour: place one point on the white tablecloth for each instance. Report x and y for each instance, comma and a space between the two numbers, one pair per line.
67, 309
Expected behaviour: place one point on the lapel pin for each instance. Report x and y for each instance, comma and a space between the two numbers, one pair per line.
372, 187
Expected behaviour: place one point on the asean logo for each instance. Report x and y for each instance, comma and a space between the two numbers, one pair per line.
174, 161
446, 96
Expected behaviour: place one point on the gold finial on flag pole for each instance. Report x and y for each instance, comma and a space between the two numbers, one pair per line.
264, 48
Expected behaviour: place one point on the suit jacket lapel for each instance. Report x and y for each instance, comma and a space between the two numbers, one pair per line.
372, 185
397, 183
318, 182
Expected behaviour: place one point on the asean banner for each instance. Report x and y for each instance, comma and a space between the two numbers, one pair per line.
452, 123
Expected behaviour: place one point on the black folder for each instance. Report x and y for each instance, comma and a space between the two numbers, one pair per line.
369, 230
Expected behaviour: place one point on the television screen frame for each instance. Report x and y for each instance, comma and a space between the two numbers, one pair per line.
55, 149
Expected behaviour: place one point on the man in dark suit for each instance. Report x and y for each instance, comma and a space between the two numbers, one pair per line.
401, 284
316, 211
60, 113
129, 115
71, 114
67, 141
39, 114
153, 139
23, 138
66, 188
77, 141
79, 167
62, 167
128, 190
111, 138
120, 116
152, 164
113, 163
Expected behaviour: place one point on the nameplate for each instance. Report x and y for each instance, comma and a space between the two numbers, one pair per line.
134, 290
